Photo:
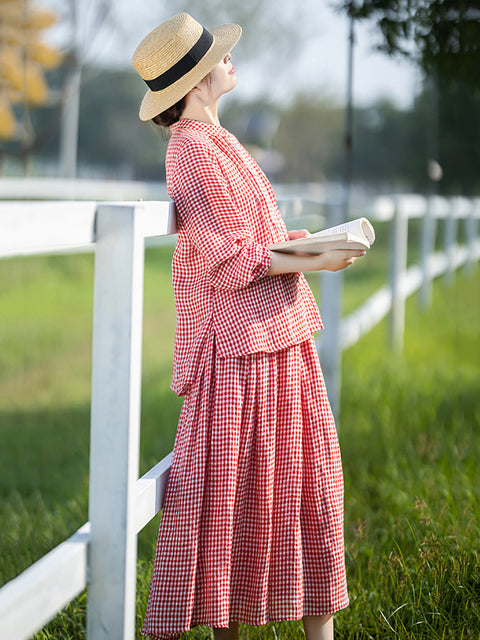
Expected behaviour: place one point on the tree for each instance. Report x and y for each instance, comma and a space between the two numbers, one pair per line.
458, 138
310, 139
445, 34
110, 132
75, 59
23, 61
443, 38
388, 152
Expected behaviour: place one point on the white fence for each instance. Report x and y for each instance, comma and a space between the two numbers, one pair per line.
340, 333
102, 554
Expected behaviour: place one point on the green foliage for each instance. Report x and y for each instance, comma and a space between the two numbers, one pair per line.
310, 139
459, 132
409, 433
110, 132
391, 145
446, 34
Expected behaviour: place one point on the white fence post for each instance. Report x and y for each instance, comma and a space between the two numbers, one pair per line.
450, 239
331, 309
427, 248
471, 227
397, 275
115, 423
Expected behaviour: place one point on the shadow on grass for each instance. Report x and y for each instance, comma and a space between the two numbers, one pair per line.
44, 467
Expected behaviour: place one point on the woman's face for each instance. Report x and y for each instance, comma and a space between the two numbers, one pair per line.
220, 80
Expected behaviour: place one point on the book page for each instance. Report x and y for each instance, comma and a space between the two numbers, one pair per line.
360, 227
355, 234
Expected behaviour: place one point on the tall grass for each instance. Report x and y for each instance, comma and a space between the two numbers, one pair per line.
409, 433
411, 445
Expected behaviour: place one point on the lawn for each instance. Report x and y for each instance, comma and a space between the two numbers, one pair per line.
409, 430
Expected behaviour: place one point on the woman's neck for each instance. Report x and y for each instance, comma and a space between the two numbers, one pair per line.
196, 110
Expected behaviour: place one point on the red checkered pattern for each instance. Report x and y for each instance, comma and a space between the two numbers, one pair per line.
252, 527
227, 215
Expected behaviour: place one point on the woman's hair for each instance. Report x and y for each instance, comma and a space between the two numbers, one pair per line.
170, 115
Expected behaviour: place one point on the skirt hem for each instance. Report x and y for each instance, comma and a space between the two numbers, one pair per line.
174, 635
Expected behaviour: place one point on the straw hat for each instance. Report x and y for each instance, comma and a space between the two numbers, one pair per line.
175, 56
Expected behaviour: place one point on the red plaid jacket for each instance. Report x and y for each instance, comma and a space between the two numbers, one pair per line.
227, 215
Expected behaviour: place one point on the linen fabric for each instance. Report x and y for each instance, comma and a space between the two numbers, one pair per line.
227, 215
252, 526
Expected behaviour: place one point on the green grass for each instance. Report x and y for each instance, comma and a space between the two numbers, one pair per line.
411, 444
410, 436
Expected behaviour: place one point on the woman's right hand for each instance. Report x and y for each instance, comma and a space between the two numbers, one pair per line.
334, 260
338, 259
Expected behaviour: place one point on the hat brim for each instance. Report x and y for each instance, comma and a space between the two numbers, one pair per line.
225, 37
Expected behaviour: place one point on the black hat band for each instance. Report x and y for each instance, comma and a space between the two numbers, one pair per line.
184, 65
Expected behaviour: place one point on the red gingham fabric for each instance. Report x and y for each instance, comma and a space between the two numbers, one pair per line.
252, 526
227, 215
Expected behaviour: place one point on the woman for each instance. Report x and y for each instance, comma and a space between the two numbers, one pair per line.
252, 525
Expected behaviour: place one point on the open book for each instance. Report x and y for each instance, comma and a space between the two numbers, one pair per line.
355, 234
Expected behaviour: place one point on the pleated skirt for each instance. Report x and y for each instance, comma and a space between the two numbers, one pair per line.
252, 524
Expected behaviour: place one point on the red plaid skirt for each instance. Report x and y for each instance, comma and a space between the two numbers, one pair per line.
252, 526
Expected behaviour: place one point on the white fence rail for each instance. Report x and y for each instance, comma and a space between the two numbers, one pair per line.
102, 554
341, 333
80, 189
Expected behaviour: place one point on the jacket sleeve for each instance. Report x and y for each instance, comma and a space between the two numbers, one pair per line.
213, 222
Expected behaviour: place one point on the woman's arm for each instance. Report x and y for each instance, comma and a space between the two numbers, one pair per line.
333, 260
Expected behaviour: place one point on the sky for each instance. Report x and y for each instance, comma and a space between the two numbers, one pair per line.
323, 63
320, 61
375, 74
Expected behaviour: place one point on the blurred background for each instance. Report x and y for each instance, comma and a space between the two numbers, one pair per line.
414, 91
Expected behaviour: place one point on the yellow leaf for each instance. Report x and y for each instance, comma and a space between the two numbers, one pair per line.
11, 34
12, 9
14, 96
47, 56
22, 55
36, 89
39, 19
11, 67
8, 124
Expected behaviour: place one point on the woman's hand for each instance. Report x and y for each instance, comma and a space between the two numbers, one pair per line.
334, 260
298, 233
338, 259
